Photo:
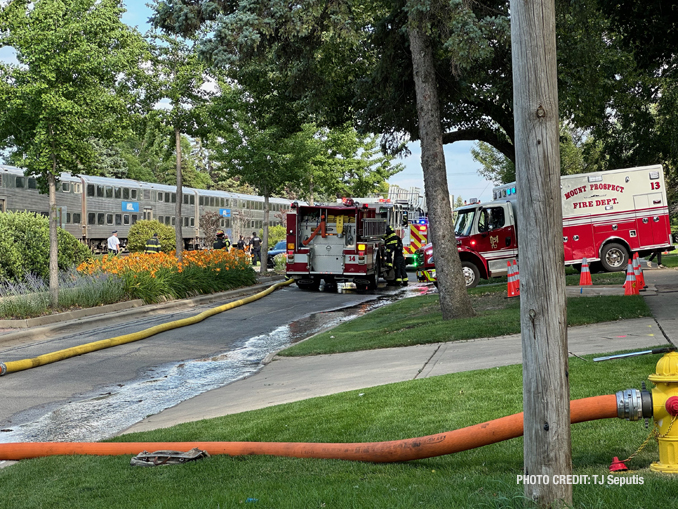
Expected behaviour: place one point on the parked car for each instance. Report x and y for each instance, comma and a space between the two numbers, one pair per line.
279, 247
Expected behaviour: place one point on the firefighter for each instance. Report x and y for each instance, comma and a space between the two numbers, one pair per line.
255, 248
391, 240
222, 242
152, 245
399, 262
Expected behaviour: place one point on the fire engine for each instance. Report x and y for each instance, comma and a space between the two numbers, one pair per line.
342, 242
607, 216
408, 221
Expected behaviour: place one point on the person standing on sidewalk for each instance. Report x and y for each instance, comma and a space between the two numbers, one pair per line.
255, 248
152, 245
113, 243
241, 243
658, 254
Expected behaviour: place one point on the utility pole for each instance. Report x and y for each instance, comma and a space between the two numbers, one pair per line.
543, 319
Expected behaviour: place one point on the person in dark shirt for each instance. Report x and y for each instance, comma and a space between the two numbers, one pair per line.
255, 248
222, 242
153, 244
241, 243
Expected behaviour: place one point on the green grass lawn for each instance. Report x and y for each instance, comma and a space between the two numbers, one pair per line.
418, 320
572, 277
670, 260
483, 478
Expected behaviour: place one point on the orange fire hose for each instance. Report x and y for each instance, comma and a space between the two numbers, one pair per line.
581, 410
320, 228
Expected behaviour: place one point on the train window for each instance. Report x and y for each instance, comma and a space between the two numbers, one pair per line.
19, 183
159, 196
226, 202
76, 218
221, 222
192, 221
125, 219
109, 192
211, 201
185, 199
100, 191
90, 189
201, 201
134, 218
227, 223
91, 218
174, 197
160, 218
76, 188
134, 193
185, 221
221, 200
101, 217
32, 184
109, 218
117, 193
125, 193
118, 219
68, 217
167, 220
65, 187
174, 221
192, 199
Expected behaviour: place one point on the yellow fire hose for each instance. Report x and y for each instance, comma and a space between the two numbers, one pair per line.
48, 358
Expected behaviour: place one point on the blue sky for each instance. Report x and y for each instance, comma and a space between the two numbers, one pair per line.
462, 177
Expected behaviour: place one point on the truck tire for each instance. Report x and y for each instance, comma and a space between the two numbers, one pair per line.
471, 274
614, 257
374, 279
314, 286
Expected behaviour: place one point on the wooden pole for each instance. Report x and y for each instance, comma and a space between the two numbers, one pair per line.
546, 393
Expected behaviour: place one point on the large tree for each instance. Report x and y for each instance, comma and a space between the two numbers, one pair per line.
70, 86
178, 77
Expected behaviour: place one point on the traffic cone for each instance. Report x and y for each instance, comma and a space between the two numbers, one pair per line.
630, 287
585, 277
638, 271
516, 278
510, 286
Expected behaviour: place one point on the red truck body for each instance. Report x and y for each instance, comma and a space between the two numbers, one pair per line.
607, 216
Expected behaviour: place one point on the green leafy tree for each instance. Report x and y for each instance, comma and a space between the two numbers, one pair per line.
70, 86
178, 77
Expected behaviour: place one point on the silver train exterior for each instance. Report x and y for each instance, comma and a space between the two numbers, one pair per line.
91, 207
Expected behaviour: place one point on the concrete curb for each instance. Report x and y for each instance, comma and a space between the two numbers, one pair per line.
92, 317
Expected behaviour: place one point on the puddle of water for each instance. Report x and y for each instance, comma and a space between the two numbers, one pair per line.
117, 407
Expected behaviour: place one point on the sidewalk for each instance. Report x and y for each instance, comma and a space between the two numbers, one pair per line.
285, 380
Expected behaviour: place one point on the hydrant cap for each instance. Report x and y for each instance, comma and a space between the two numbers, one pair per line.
667, 369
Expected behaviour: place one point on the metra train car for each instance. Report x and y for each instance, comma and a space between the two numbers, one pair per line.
92, 207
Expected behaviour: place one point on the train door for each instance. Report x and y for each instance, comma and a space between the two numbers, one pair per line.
148, 213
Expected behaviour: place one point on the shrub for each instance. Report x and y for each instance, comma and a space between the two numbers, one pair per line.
143, 230
24, 246
275, 233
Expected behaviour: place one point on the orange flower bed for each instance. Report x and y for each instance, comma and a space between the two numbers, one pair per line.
216, 260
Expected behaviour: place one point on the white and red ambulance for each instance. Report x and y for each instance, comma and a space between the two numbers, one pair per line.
607, 216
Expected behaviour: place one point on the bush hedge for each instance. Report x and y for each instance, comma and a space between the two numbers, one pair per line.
275, 234
24, 246
143, 230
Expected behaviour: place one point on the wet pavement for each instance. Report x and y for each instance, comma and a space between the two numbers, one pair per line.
108, 409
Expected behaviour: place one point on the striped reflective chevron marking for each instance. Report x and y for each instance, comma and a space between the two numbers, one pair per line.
417, 239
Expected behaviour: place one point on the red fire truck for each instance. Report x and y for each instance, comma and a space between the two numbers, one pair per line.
335, 243
607, 216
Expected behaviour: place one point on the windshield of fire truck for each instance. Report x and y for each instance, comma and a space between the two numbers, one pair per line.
464, 223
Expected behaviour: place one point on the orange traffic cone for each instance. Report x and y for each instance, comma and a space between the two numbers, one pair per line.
630, 287
585, 278
516, 278
638, 272
510, 285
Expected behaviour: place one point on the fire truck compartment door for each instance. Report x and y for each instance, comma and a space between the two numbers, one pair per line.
645, 223
326, 255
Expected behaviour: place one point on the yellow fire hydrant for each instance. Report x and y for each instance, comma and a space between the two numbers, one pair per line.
665, 412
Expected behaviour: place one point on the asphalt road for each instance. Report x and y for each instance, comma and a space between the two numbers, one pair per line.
94, 395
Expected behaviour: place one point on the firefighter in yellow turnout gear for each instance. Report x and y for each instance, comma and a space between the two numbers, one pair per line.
393, 242
400, 265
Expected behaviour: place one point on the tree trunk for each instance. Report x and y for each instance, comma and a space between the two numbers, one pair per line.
310, 192
454, 299
543, 319
177, 228
264, 240
53, 241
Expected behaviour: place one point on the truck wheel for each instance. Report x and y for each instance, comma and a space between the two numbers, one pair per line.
374, 279
614, 257
309, 286
471, 274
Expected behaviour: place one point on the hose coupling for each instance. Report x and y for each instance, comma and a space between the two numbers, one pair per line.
633, 404
3, 368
